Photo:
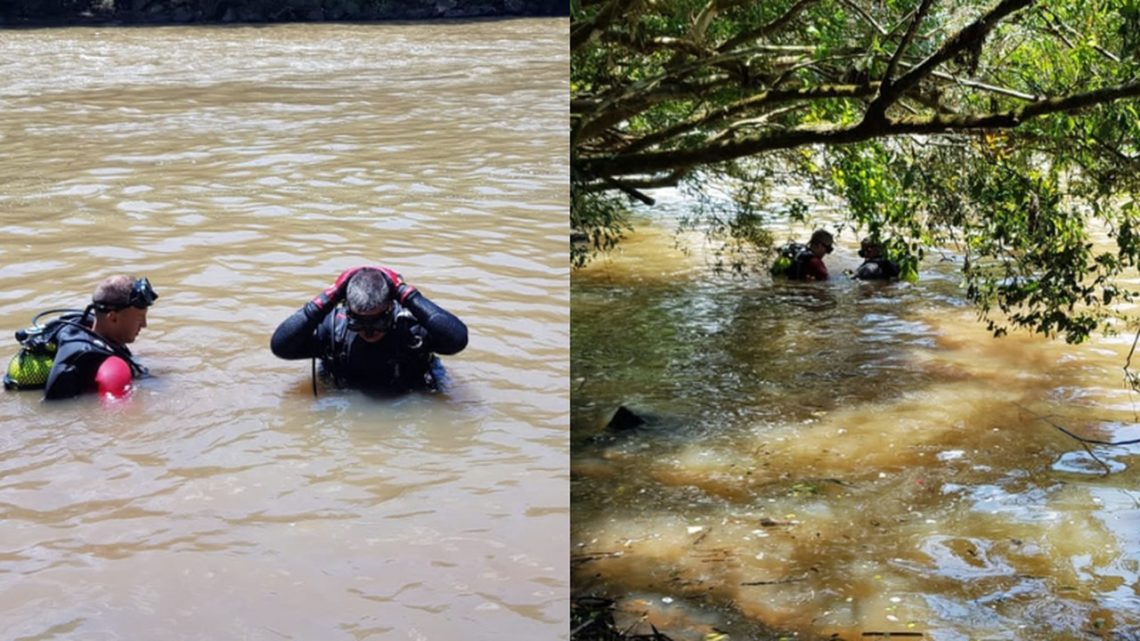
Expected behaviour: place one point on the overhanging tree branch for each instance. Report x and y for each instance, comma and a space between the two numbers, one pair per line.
679, 82
655, 182
581, 32
763, 31
1061, 24
764, 99
974, 84
685, 89
866, 16
972, 35
919, 14
600, 114
631, 164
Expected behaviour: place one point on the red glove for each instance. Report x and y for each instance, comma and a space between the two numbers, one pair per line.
334, 293
401, 291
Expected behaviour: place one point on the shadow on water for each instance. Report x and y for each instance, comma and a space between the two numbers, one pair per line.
844, 459
741, 348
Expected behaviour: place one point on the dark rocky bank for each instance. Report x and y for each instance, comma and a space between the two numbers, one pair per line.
14, 13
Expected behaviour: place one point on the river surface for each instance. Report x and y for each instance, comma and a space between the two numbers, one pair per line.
241, 168
842, 459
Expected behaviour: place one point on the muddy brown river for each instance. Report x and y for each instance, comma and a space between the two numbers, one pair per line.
842, 459
241, 168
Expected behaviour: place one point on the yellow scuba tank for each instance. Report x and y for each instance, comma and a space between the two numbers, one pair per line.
786, 258
27, 370
30, 367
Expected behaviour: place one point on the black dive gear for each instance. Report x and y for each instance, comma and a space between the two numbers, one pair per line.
878, 269
81, 353
30, 367
403, 359
792, 260
62, 355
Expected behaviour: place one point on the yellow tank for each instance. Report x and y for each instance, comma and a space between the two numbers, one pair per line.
28, 371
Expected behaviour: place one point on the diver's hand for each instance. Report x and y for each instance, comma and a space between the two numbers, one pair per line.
401, 291
405, 291
334, 293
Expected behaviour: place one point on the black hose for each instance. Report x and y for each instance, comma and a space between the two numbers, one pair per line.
314, 360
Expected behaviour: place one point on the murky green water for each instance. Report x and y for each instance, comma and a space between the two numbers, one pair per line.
843, 458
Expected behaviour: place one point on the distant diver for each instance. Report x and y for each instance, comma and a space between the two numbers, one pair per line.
876, 266
805, 262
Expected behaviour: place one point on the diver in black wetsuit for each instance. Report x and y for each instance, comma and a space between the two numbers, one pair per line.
875, 265
89, 340
384, 339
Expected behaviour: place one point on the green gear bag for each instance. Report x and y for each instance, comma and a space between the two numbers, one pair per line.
30, 367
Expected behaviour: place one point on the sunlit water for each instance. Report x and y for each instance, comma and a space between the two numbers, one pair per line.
849, 459
241, 169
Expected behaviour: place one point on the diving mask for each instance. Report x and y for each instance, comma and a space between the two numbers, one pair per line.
142, 296
382, 322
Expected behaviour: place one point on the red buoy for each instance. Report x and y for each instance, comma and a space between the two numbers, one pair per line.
113, 378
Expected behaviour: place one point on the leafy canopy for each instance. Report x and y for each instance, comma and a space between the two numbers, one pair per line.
1008, 130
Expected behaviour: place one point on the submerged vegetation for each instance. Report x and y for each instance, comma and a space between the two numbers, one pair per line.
1006, 131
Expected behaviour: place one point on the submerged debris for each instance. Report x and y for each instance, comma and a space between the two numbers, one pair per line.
624, 419
592, 619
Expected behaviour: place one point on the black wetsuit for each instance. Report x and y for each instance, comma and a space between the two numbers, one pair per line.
877, 269
404, 359
800, 264
79, 354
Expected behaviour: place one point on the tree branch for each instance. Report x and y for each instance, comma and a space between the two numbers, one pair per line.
866, 16
637, 97
764, 99
969, 35
656, 182
703, 20
763, 31
731, 128
620, 165
643, 95
629, 190
634, 100
919, 14
1099, 49
581, 32
974, 84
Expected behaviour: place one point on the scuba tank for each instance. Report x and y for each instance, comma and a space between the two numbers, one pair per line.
30, 367
786, 258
